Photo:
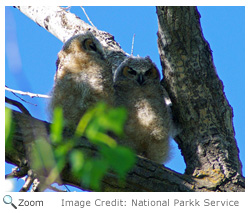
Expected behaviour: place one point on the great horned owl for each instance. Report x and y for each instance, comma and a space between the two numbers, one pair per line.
137, 88
83, 77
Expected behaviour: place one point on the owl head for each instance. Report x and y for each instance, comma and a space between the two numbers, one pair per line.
139, 70
81, 46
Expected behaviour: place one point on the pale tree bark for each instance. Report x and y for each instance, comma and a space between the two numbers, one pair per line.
63, 25
200, 107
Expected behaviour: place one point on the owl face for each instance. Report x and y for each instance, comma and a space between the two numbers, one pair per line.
79, 54
138, 70
84, 43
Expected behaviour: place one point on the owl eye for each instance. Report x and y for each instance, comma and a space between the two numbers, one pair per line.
88, 44
153, 73
127, 71
132, 72
148, 72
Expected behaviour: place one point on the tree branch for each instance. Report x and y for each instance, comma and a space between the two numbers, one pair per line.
145, 176
17, 104
32, 95
63, 25
207, 139
28, 182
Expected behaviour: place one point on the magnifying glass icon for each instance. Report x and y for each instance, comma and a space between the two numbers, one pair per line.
8, 200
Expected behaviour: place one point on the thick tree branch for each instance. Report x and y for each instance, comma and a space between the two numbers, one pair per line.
145, 176
63, 25
207, 138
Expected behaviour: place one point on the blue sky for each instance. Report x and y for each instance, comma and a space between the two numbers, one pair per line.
31, 53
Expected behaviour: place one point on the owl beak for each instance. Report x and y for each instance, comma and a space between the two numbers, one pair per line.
140, 79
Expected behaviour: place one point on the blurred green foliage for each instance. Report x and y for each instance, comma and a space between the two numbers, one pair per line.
42, 156
9, 128
95, 125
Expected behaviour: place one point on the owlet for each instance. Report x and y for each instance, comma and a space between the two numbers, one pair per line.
83, 77
137, 88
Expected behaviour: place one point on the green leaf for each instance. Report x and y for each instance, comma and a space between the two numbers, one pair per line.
9, 127
42, 156
61, 151
93, 172
57, 125
99, 138
85, 120
77, 160
117, 118
113, 120
63, 148
97, 122
121, 159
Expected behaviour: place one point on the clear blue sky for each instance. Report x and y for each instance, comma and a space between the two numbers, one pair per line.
31, 53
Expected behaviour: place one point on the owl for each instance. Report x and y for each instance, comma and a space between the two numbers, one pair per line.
137, 88
83, 78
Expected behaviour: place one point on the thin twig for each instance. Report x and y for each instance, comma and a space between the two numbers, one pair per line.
28, 183
67, 188
22, 99
32, 95
17, 173
87, 16
18, 105
132, 46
